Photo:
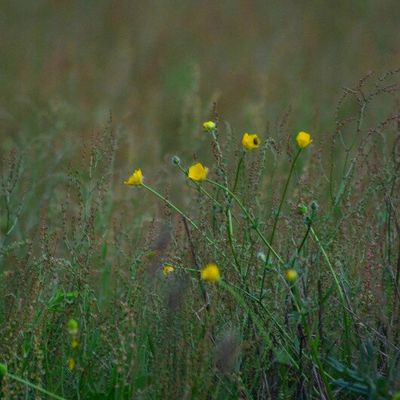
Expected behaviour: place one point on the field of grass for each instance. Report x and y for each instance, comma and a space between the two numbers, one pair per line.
145, 255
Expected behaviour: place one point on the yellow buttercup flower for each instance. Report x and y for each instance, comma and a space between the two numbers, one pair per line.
251, 141
135, 179
209, 126
167, 269
198, 172
71, 364
291, 275
210, 273
303, 139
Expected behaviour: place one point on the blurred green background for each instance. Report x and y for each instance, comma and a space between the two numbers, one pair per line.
157, 66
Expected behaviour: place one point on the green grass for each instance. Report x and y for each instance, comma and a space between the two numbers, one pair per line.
90, 92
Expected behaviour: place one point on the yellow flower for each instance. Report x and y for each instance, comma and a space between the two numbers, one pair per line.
251, 141
209, 126
74, 343
71, 363
72, 327
167, 269
135, 179
291, 275
198, 172
210, 273
303, 139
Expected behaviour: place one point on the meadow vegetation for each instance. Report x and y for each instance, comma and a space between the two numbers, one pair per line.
172, 242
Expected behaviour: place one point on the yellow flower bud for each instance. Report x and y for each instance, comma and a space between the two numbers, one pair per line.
167, 269
291, 275
71, 364
209, 126
303, 139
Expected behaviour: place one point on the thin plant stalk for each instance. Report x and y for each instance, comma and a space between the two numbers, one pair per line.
180, 212
238, 172
33, 386
271, 240
229, 224
249, 217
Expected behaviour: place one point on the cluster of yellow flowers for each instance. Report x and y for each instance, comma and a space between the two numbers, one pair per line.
198, 172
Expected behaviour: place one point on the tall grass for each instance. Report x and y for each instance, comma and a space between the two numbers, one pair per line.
76, 244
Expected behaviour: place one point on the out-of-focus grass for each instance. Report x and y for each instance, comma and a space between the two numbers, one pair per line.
142, 61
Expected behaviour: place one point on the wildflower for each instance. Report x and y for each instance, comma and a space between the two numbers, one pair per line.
176, 160
3, 370
74, 344
251, 141
314, 205
210, 273
302, 209
198, 172
303, 139
167, 269
291, 274
261, 256
72, 327
71, 364
209, 126
135, 179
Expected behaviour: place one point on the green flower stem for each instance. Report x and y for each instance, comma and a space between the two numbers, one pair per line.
202, 190
301, 245
229, 215
236, 294
234, 291
311, 341
284, 195
243, 208
33, 386
277, 219
229, 224
238, 171
219, 151
345, 301
304, 238
181, 213
229, 229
